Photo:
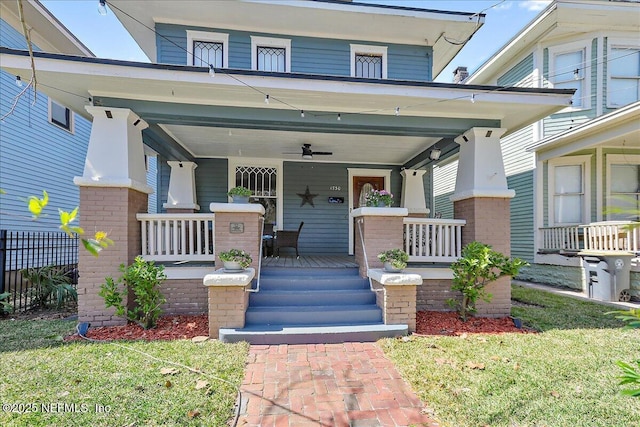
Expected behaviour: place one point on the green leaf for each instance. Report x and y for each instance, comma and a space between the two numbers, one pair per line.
37, 205
92, 246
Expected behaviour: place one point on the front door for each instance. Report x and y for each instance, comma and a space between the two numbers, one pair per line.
362, 185
361, 181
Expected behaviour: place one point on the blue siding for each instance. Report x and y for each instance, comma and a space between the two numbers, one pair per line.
309, 55
152, 181
35, 155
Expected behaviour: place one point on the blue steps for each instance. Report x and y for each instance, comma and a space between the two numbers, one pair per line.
313, 306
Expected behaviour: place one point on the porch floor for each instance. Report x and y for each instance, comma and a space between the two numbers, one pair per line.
311, 261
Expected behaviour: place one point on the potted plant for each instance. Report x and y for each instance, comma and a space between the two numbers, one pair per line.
379, 198
395, 260
240, 194
235, 259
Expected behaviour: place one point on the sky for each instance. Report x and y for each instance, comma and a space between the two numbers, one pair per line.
107, 38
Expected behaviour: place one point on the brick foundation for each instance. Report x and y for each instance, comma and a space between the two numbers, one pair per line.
184, 296
398, 304
227, 307
432, 295
112, 210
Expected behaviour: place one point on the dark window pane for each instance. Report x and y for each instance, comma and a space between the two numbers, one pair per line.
60, 115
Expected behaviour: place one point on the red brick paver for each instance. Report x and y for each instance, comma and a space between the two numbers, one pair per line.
350, 384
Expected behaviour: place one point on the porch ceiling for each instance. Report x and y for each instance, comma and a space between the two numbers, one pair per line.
194, 107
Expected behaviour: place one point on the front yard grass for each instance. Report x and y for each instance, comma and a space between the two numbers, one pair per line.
104, 384
564, 376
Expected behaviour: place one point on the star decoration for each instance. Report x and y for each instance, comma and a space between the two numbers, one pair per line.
307, 197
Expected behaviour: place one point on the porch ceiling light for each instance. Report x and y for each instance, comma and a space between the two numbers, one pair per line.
18, 81
102, 7
307, 156
435, 154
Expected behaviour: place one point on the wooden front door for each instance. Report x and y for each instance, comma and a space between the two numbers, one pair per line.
364, 184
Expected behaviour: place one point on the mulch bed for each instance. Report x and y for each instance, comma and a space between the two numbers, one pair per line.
168, 328
449, 323
187, 327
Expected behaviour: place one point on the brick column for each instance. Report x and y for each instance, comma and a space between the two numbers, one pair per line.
112, 191
228, 299
381, 229
398, 301
238, 226
483, 200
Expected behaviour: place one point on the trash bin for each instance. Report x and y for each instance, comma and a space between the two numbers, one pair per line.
607, 275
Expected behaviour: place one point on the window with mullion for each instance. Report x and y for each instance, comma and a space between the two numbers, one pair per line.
271, 59
624, 72
568, 194
207, 53
60, 115
569, 73
368, 66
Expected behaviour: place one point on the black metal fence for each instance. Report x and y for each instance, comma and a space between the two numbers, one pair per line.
20, 250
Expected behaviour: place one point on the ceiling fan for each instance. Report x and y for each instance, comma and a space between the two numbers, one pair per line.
307, 152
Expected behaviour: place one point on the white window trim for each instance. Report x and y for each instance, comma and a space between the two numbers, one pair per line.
72, 120
618, 43
233, 162
585, 46
208, 37
585, 162
363, 49
270, 42
618, 159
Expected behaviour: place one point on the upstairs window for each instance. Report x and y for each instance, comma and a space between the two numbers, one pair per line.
270, 54
570, 68
60, 116
272, 59
623, 67
369, 66
204, 49
369, 62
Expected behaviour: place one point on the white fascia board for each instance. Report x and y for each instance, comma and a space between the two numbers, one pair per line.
616, 123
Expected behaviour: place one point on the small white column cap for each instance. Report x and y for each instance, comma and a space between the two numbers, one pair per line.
220, 278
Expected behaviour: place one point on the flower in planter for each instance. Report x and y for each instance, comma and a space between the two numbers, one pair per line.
379, 197
236, 255
396, 257
239, 191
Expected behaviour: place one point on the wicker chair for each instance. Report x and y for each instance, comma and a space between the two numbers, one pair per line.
286, 239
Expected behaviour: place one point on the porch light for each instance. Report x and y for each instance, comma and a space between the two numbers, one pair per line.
339, 117
266, 99
302, 113
576, 74
435, 154
473, 98
102, 7
212, 72
18, 81
397, 111
307, 156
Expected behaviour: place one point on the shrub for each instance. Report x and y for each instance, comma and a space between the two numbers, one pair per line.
143, 280
630, 374
479, 266
239, 191
49, 283
5, 306
396, 257
236, 255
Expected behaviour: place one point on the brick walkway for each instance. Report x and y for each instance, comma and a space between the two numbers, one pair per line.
350, 384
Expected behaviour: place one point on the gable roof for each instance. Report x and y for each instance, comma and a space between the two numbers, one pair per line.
560, 18
48, 33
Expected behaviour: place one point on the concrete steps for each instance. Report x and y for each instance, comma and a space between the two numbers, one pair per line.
312, 305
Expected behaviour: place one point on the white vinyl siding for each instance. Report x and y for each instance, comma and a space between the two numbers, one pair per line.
569, 190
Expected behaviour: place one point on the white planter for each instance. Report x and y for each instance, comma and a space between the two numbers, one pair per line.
389, 268
232, 266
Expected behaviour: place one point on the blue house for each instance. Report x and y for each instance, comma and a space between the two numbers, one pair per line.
43, 142
308, 105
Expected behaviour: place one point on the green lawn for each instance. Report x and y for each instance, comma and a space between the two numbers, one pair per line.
563, 376
100, 384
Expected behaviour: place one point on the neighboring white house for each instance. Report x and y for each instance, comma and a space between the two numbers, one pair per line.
570, 169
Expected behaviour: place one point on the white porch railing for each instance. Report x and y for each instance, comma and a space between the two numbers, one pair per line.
177, 237
596, 236
433, 240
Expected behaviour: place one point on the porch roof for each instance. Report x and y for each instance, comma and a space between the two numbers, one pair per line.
187, 108
618, 128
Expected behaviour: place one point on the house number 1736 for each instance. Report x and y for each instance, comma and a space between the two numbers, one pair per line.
335, 188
